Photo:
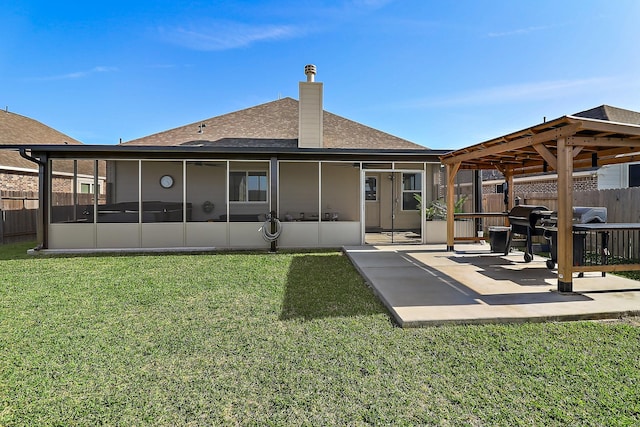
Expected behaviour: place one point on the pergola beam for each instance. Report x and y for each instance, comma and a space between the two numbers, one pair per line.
515, 144
603, 142
547, 155
602, 126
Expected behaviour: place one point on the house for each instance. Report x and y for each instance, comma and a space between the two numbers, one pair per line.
19, 176
18, 173
213, 183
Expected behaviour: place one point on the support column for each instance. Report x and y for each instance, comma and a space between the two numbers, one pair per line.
44, 194
510, 194
452, 170
477, 200
565, 216
274, 212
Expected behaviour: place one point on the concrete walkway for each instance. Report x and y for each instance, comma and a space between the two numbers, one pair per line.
425, 285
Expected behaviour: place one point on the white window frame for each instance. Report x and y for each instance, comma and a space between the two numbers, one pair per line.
247, 173
413, 191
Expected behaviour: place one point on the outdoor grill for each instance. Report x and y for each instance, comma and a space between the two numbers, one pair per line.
527, 220
583, 215
584, 218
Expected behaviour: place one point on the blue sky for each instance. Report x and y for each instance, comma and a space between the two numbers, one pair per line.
444, 74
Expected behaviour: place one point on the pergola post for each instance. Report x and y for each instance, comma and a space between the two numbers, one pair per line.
452, 170
565, 216
508, 179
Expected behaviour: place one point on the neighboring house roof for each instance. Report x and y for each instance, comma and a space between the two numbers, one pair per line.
20, 130
611, 114
273, 124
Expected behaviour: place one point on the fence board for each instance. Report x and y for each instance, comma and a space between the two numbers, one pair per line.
623, 206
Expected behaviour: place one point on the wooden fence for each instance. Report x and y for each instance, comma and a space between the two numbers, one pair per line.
19, 212
623, 205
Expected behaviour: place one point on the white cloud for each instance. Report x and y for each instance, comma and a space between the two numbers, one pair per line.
515, 93
371, 3
226, 35
79, 74
517, 32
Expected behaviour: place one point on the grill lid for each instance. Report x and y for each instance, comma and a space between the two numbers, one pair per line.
527, 215
586, 215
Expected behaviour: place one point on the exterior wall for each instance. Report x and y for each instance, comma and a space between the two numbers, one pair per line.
28, 181
125, 187
341, 191
18, 181
206, 182
614, 176
549, 184
299, 190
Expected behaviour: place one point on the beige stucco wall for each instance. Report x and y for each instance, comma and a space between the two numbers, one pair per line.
298, 189
206, 181
341, 190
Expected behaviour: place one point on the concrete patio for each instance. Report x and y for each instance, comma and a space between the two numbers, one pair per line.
425, 285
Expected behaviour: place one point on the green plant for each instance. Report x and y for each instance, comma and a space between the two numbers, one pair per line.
437, 209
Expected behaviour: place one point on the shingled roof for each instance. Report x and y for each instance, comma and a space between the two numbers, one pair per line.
612, 114
274, 123
20, 130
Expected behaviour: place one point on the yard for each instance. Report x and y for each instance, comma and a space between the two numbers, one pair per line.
281, 339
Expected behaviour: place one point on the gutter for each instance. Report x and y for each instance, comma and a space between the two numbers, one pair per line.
23, 154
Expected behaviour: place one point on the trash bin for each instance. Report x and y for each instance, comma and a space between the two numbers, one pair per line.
498, 238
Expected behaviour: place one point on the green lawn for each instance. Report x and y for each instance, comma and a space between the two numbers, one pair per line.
281, 339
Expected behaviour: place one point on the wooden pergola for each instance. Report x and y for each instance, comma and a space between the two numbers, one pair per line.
562, 145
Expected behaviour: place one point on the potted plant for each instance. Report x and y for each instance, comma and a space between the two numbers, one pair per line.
436, 215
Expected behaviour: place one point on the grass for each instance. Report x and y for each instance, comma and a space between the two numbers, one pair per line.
281, 339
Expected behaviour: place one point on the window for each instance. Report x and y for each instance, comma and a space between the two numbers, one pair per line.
634, 175
248, 186
86, 187
411, 187
371, 188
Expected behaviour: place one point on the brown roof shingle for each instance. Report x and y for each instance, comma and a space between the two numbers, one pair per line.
20, 130
276, 120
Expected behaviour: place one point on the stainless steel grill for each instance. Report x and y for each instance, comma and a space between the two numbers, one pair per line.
597, 237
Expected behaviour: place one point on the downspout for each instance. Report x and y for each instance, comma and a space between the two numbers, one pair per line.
43, 198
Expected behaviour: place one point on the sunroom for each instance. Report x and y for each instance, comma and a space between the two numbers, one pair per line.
209, 198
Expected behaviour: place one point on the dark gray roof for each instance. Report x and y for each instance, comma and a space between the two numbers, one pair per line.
612, 114
245, 143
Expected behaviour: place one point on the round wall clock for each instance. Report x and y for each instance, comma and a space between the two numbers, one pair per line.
166, 181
